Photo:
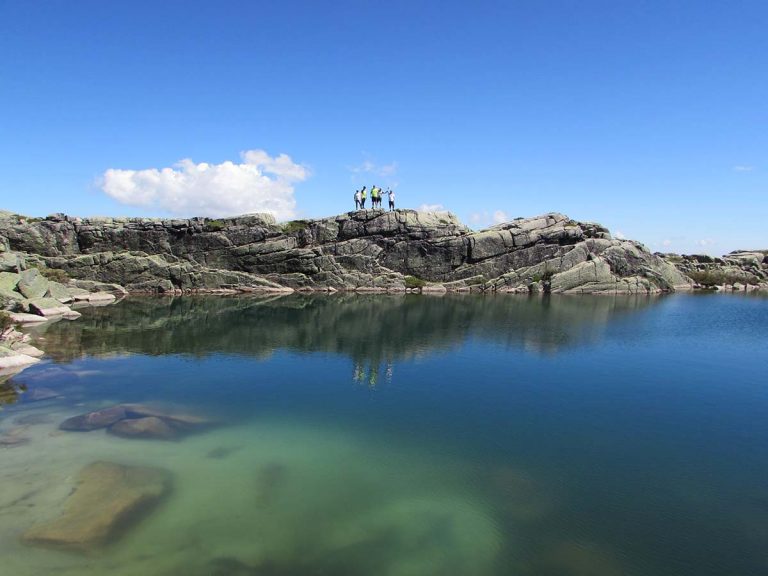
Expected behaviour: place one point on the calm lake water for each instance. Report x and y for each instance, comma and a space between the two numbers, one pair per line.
410, 435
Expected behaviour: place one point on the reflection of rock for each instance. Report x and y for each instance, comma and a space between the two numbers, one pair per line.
370, 329
107, 497
9, 390
94, 420
577, 559
150, 427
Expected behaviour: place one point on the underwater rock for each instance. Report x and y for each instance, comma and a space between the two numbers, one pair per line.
523, 498
220, 452
94, 420
269, 478
14, 437
573, 558
150, 427
108, 497
179, 419
39, 394
136, 421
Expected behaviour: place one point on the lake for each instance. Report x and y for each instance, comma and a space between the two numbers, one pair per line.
408, 435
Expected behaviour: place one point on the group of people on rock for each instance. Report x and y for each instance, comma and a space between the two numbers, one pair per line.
376, 195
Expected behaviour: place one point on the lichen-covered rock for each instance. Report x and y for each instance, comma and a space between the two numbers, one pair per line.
45, 307
32, 284
362, 250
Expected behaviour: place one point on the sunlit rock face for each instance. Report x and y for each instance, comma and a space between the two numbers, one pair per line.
362, 250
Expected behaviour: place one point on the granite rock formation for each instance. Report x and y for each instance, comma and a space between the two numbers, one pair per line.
743, 270
362, 250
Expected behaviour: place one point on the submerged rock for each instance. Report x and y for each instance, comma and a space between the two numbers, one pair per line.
572, 558
94, 420
137, 421
150, 427
107, 498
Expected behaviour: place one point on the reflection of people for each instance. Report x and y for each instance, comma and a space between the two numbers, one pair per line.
357, 375
391, 200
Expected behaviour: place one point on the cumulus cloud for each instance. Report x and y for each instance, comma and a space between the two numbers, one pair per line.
259, 183
666, 243
705, 242
743, 168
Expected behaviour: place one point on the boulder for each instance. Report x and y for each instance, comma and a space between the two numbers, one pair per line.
106, 500
94, 420
150, 427
32, 284
59, 292
10, 359
24, 318
45, 307
9, 281
10, 262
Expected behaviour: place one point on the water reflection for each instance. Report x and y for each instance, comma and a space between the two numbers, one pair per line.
372, 330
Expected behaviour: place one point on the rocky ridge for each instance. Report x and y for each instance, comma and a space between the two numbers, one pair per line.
366, 250
742, 270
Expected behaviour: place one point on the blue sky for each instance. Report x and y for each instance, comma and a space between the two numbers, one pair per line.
649, 117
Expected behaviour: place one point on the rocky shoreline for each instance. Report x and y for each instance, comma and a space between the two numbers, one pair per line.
50, 266
365, 250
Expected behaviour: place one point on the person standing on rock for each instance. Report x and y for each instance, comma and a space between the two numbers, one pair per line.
374, 197
391, 199
358, 200
363, 194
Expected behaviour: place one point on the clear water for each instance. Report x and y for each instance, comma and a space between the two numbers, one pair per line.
405, 436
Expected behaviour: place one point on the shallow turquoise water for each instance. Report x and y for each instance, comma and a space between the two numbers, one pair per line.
412, 435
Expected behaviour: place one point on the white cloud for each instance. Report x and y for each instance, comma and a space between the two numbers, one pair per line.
260, 183
431, 208
485, 218
499, 217
743, 168
705, 242
619, 235
666, 243
369, 167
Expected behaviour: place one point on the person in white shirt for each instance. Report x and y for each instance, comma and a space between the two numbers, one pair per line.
391, 200
358, 200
